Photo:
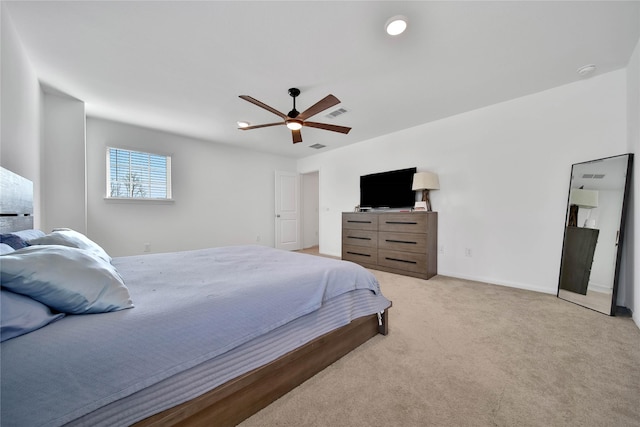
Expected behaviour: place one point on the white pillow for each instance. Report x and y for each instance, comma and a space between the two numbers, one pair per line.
73, 239
29, 234
69, 280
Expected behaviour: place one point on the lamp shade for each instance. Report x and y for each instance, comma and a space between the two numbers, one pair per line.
425, 181
584, 198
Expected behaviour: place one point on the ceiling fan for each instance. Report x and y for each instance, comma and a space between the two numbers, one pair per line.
294, 120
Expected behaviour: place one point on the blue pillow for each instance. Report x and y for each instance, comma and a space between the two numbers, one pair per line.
69, 280
16, 242
20, 315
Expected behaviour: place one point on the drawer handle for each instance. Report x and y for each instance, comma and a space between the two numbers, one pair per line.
359, 222
357, 253
401, 222
400, 260
401, 241
359, 238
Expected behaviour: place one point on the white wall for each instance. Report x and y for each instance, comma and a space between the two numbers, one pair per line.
223, 195
310, 210
632, 246
504, 176
63, 171
20, 97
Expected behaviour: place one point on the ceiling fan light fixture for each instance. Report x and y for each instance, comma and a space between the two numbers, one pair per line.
296, 120
294, 124
396, 25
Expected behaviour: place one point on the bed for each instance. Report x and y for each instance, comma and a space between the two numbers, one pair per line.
203, 337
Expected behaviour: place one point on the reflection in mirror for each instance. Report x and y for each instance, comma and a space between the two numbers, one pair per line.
594, 229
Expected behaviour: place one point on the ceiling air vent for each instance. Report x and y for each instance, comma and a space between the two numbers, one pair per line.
317, 146
336, 113
593, 176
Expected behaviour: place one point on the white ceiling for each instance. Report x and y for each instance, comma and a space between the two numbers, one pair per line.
180, 66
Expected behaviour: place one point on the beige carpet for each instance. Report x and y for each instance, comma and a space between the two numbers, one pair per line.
461, 353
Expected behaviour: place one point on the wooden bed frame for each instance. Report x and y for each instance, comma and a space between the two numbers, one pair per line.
238, 399
241, 397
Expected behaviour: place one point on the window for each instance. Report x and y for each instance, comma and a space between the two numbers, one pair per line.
137, 175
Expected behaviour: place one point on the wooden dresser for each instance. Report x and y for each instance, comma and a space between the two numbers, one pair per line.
398, 242
577, 258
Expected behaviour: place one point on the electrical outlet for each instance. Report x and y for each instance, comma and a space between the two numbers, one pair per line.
467, 252
258, 238
147, 247
441, 250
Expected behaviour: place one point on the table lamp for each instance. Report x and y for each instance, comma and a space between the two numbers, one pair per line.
425, 181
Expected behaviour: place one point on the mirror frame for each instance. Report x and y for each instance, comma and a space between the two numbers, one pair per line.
623, 218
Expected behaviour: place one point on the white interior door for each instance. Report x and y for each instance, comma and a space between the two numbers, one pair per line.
287, 215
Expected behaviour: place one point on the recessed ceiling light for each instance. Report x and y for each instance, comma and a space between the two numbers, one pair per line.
586, 70
396, 25
243, 124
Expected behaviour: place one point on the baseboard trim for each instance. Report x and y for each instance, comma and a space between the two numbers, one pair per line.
492, 281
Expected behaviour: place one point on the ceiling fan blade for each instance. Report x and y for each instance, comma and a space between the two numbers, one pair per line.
327, 102
297, 136
263, 105
325, 126
261, 126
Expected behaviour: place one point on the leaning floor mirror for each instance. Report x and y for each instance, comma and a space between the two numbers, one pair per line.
593, 233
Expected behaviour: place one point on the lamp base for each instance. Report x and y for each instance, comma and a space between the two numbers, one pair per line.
573, 216
420, 206
425, 198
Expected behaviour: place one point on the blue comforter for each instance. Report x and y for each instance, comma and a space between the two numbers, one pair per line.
189, 307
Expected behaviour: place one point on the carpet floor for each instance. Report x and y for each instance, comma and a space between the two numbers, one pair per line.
462, 353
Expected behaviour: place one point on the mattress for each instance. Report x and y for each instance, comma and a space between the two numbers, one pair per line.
200, 318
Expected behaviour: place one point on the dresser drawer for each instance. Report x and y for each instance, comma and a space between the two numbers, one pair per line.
404, 223
359, 238
360, 221
409, 242
360, 254
407, 261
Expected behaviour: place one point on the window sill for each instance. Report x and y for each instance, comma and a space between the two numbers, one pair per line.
139, 200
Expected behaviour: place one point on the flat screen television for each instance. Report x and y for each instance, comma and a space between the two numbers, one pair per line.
390, 189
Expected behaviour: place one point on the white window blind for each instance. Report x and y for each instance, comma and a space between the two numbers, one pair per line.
138, 175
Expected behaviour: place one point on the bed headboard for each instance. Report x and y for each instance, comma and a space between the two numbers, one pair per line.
16, 202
